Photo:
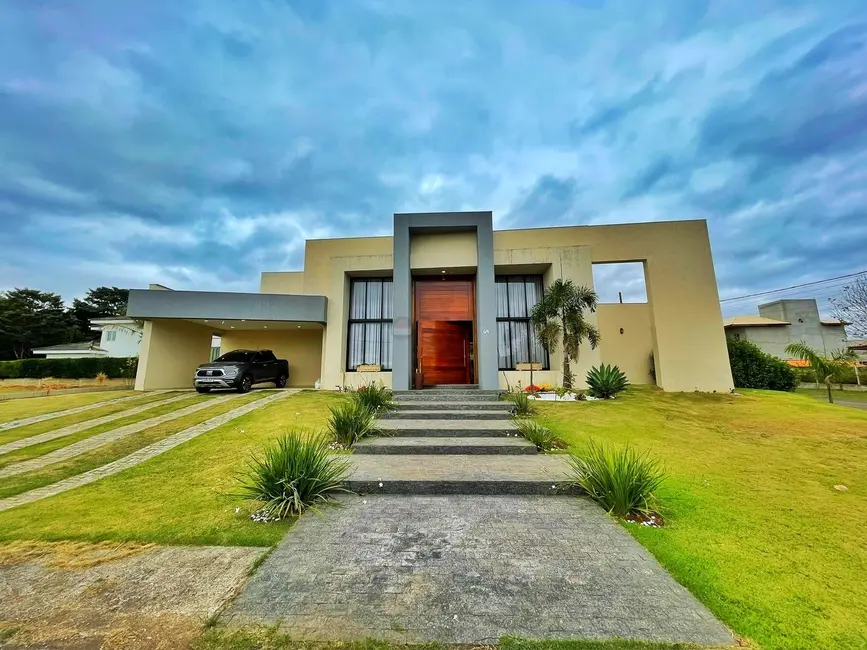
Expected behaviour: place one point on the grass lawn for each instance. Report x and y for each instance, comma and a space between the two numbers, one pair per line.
15, 409
755, 528
25, 453
180, 497
56, 423
847, 395
106, 453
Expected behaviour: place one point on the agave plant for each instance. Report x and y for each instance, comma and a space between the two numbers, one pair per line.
606, 381
521, 405
622, 481
539, 435
295, 472
351, 421
376, 398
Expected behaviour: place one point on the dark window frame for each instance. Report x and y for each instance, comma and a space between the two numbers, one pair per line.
504, 279
364, 321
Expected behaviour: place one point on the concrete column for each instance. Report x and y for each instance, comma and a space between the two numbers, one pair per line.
401, 359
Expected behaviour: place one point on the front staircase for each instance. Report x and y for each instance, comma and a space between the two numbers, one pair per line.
453, 440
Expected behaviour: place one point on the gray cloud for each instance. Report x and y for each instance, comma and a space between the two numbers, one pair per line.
197, 144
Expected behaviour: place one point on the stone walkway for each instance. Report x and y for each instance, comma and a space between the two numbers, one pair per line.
87, 424
140, 456
468, 569
459, 566
100, 439
78, 409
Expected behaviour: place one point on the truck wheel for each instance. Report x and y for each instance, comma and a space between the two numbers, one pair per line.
203, 390
281, 381
246, 384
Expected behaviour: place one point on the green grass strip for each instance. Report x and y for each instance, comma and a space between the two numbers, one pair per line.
33, 451
112, 451
18, 408
58, 423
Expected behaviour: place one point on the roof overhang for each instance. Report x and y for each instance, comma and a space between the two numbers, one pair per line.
146, 304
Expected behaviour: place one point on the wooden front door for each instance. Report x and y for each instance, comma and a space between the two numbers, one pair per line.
444, 352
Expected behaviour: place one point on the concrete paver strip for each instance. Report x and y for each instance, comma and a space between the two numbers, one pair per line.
100, 439
78, 595
139, 456
13, 424
469, 569
87, 424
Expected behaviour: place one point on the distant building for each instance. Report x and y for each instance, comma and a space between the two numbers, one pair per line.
789, 321
119, 337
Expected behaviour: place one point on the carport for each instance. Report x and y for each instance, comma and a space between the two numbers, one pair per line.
178, 326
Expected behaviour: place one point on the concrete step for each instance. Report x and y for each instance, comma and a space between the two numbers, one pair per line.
446, 428
454, 405
445, 396
446, 415
459, 474
445, 445
453, 387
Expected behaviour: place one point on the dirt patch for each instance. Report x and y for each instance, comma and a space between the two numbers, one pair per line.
74, 595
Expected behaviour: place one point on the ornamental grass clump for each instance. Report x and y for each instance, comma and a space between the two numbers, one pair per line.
622, 481
521, 405
539, 435
295, 472
376, 398
350, 422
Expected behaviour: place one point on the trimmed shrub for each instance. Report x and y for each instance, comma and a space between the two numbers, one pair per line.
539, 435
606, 381
296, 472
521, 405
621, 480
376, 398
111, 367
752, 368
350, 422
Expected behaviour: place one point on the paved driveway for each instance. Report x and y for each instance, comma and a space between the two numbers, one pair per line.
469, 569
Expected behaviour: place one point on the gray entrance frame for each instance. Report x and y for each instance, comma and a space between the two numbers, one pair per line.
405, 225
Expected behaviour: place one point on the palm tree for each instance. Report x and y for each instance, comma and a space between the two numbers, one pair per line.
559, 318
849, 358
828, 369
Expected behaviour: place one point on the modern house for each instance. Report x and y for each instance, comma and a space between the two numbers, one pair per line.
783, 322
119, 337
446, 300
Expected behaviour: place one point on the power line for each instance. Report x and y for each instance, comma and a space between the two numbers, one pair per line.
795, 286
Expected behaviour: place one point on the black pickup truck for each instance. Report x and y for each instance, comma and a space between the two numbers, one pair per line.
240, 369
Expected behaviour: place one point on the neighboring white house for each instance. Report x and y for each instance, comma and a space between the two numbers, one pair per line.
789, 321
119, 337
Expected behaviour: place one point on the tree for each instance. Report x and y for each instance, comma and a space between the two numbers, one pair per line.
826, 369
851, 306
559, 319
849, 358
98, 303
30, 319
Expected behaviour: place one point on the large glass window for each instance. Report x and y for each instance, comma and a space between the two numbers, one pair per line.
370, 323
517, 341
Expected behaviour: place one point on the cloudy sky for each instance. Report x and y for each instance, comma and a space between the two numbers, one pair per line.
197, 143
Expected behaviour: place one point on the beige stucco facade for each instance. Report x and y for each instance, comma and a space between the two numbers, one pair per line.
680, 325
